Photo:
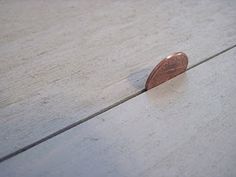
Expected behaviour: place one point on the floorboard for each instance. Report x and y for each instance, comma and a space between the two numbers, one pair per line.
62, 61
185, 127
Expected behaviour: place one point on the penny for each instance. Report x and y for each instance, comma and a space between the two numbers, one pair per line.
168, 68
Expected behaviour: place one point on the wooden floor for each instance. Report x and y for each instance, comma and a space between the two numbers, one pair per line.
64, 62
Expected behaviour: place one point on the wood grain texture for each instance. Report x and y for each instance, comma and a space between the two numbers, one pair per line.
186, 127
62, 61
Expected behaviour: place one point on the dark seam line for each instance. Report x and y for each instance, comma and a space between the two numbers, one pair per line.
96, 114
69, 126
213, 56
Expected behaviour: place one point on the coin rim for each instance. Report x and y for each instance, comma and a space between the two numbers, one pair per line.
151, 75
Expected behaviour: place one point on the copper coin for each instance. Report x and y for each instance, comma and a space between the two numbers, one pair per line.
168, 68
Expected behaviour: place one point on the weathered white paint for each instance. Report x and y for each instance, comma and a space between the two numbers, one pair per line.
61, 61
185, 127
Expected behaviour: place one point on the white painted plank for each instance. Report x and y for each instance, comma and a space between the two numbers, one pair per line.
185, 127
62, 61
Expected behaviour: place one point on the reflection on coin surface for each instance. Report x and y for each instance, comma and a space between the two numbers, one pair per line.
168, 68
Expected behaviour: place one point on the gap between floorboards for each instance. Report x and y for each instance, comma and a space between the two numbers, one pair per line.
98, 113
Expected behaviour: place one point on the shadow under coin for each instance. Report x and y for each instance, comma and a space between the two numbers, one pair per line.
138, 79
